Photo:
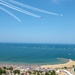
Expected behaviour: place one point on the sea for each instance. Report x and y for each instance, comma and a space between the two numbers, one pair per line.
36, 54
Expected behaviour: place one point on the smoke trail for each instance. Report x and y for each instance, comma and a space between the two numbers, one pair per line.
18, 9
33, 8
10, 14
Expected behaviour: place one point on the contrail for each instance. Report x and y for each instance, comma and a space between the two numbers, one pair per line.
10, 14
33, 8
18, 9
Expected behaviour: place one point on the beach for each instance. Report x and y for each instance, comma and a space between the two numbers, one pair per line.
60, 69
41, 57
68, 64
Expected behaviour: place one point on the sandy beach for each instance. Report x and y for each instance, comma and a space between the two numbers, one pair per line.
68, 64
70, 67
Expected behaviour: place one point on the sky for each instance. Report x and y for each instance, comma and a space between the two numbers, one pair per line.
47, 29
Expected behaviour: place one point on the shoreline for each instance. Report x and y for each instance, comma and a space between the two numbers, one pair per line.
44, 68
59, 61
70, 63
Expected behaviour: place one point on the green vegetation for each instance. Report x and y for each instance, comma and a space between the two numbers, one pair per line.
22, 74
4, 67
65, 67
0, 71
53, 73
16, 71
29, 72
46, 73
73, 66
10, 68
6, 71
38, 73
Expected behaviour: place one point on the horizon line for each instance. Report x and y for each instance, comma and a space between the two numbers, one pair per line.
36, 43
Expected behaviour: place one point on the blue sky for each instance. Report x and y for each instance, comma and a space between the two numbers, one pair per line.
48, 29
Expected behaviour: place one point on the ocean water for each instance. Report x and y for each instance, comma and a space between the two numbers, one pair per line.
20, 53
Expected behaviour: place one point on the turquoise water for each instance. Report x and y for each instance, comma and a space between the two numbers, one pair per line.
36, 53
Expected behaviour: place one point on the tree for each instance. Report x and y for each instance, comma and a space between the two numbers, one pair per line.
46, 73
4, 67
22, 74
29, 72
49, 71
0, 71
11, 68
65, 67
73, 66
38, 73
53, 73
16, 71
4, 71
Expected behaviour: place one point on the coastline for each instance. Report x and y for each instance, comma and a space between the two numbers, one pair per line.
70, 63
52, 62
